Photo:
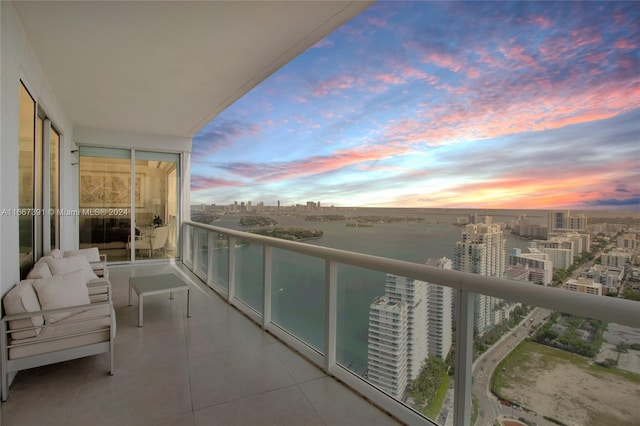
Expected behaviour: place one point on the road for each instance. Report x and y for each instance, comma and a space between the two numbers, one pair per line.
488, 405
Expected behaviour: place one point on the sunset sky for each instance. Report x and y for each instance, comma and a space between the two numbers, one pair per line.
442, 104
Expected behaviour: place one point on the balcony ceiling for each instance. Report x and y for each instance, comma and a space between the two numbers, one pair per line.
168, 68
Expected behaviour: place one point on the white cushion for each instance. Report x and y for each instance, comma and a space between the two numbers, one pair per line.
61, 291
76, 327
56, 254
40, 269
19, 300
70, 264
91, 254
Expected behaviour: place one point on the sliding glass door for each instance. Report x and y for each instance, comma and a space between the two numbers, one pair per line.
129, 203
157, 209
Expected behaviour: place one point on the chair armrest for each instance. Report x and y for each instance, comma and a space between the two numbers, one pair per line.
100, 269
99, 289
103, 257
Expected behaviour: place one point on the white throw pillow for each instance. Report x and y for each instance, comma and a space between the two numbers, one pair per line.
40, 269
92, 254
70, 264
19, 300
56, 254
61, 291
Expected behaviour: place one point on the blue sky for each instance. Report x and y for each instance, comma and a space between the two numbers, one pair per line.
442, 104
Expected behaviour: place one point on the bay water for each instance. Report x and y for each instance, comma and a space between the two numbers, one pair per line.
298, 281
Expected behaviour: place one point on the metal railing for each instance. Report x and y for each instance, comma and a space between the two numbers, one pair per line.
466, 285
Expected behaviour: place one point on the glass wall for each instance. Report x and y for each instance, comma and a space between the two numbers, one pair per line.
105, 201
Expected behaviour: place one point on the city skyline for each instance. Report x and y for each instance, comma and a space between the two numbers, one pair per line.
459, 105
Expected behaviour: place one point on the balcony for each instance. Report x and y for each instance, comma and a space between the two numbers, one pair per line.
217, 365
256, 274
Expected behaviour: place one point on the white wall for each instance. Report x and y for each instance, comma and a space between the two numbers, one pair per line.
115, 139
19, 63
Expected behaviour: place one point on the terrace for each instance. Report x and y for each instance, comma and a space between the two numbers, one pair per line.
219, 365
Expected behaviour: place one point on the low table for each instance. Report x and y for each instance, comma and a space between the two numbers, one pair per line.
156, 284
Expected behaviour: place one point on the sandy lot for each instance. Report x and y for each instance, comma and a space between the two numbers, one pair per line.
567, 390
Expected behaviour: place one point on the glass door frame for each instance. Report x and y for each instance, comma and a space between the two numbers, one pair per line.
136, 194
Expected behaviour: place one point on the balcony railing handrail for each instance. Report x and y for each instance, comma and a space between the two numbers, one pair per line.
609, 309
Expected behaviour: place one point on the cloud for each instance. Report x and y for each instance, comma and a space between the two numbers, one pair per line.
334, 84
220, 133
324, 43
278, 171
626, 44
199, 183
631, 203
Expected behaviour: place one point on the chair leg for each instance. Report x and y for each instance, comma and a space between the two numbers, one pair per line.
5, 387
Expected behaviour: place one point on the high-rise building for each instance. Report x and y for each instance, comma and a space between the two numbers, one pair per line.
422, 326
482, 250
439, 313
584, 285
539, 265
414, 294
387, 347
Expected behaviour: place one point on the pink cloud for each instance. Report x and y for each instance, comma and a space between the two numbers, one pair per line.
491, 111
323, 43
377, 22
443, 60
542, 21
584, 36
625, 44
339, 82
199, 183
390, 78
271, 172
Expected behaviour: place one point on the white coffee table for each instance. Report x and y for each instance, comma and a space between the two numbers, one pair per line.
156, 284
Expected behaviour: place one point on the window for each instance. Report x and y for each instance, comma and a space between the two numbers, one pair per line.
38, 183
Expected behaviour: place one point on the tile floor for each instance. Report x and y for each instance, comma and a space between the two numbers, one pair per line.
216, 368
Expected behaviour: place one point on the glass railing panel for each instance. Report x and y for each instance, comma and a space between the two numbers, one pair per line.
201, 244
397, 334
249, 283
220, 260
188, 246
298, 296
555, 368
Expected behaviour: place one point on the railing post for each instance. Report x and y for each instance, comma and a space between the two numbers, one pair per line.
266, 277
464, 358
331, 315
232, 269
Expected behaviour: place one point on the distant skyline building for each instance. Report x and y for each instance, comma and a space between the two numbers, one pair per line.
617, 258
562, 220
482, 250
